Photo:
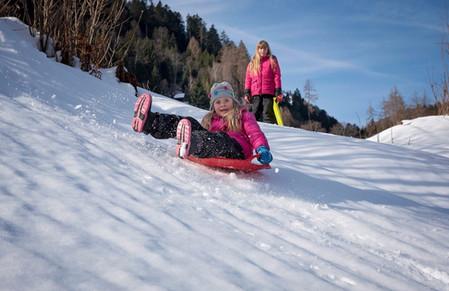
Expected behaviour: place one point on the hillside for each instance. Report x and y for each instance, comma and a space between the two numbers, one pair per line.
429, 134
87, 204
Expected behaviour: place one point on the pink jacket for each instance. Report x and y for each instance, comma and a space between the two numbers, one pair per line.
267, 80
250, 137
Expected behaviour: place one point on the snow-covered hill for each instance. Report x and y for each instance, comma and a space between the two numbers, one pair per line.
430, 134
87, 204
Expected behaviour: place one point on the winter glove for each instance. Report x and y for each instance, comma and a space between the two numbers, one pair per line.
265, 156
278, 94
247, 96
279, 98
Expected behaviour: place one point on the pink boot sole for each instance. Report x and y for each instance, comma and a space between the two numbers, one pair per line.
141, 110
183, 132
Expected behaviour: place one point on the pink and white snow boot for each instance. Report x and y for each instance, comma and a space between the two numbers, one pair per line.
141, 112
183, 133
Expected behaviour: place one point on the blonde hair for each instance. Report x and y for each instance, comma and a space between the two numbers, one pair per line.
255, 61
233, 118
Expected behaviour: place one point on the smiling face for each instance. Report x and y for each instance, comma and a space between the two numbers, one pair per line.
262, 50
223, 105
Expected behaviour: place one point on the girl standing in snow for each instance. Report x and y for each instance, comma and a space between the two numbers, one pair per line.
228, 130
263, 82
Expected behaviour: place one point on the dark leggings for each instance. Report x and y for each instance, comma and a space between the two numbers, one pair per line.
203, 143
262, 107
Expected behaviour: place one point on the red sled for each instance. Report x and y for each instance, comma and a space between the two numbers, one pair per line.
246, 166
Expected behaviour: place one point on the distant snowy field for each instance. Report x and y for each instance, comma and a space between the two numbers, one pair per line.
87, 204
430, 134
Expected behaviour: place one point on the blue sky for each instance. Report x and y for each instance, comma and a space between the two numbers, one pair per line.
354, 52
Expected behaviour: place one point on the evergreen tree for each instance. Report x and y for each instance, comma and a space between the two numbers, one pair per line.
136, 8
297, 106
225, 39
197, 28
198, 97
213, 44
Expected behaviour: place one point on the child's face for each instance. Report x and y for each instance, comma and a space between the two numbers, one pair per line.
223, 105
262, 51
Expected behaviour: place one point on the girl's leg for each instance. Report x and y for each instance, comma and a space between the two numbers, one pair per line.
163, 126
268, 113
256, 107
205, 144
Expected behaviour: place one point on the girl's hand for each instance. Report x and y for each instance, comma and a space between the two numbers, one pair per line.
265, 156
247, 96
279, 98
279, 95
246, 99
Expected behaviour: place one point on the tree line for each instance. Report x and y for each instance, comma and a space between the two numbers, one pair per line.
151, 46
168, 56
154, 48
150, 43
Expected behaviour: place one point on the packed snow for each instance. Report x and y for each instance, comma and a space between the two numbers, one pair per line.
88, 204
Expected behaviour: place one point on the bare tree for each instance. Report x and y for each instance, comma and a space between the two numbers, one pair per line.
8, 8
371, 126
310, 96
394, 107
192, 62
440, 89
371, 113
338, 129
43, 21
231, 66
98, 34
440, 92
87, 29
242, 60
419, 104
313, 126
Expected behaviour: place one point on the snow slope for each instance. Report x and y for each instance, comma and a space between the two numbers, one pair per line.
429, 133
87, 204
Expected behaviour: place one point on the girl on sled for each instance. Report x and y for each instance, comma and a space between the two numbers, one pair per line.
228, 130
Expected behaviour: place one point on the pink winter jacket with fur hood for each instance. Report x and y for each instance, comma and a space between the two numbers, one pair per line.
250, 137
267, 80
